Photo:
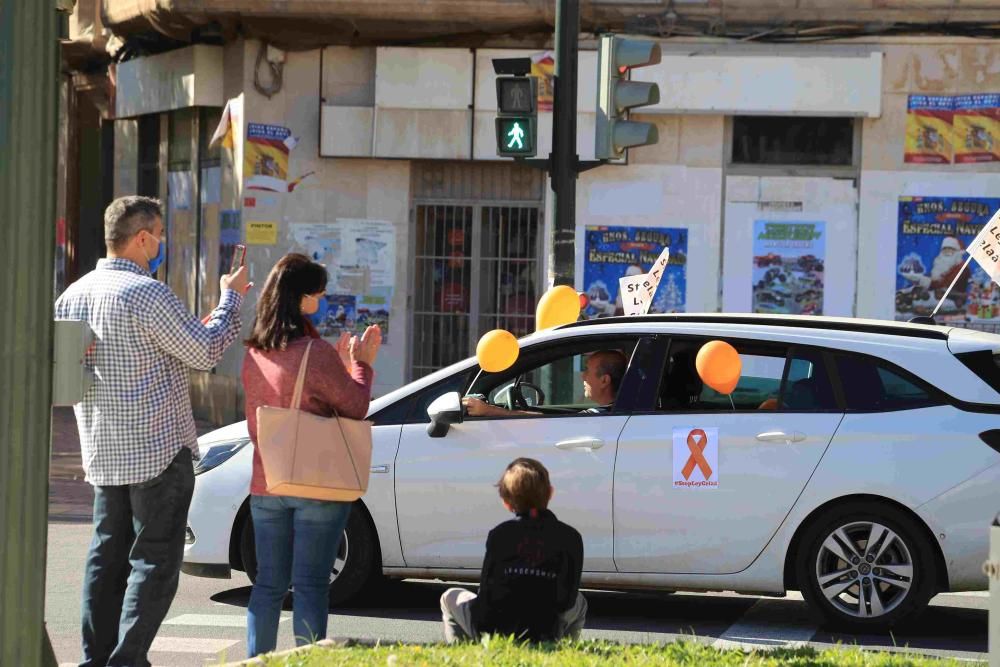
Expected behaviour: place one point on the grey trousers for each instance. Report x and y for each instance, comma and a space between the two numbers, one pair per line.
456, 612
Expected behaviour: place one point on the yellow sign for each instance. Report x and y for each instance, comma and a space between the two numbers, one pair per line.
977, 128
929, 135
262, 233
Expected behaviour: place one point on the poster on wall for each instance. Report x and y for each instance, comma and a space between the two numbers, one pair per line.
933, 235
788, 267
617, 252
369, 244
319, 241
929, 129
265, 157
340, 315
977, 128
543, 66
373, 309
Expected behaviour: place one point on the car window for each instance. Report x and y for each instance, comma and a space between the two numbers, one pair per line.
760, 381
807, 386
550, 382
869, 385
771, 378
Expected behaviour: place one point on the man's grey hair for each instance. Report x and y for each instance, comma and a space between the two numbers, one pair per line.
612, 363
127, 216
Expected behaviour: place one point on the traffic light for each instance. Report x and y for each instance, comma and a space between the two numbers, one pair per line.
616, 95
517, 113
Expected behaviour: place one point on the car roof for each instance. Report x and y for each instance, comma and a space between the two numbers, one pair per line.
832, 324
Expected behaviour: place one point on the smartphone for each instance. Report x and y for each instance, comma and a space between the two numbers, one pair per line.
239, 257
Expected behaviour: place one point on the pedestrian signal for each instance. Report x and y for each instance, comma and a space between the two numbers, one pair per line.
517, 113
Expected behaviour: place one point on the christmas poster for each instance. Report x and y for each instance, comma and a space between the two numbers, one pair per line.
616, 252
788, 267
929, 129
934, 233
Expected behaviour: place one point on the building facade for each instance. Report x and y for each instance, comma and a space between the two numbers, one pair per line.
828, 170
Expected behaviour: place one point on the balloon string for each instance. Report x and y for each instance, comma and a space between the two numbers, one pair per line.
730, 396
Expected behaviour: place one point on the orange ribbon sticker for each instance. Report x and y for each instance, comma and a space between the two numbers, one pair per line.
697, 440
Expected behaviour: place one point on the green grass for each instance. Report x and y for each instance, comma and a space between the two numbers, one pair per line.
504, 652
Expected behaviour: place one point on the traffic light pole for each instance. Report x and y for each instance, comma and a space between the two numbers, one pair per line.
28, 108
563, 162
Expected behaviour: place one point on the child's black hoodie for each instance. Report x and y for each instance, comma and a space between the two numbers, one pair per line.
531, 574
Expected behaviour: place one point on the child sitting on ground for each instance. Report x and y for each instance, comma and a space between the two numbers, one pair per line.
530, 581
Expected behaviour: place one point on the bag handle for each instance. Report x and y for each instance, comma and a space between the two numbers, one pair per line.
301, 379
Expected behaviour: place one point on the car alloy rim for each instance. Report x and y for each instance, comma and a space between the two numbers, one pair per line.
341, 560
864, 569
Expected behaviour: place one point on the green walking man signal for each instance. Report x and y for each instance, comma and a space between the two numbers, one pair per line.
517, 108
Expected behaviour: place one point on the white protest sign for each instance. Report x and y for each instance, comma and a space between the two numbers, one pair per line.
985, 248
634, 292
637, 291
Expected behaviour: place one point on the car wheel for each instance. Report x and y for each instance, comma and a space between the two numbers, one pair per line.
353, 567
865, 566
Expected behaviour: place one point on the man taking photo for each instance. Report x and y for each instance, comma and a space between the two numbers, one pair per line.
137, 432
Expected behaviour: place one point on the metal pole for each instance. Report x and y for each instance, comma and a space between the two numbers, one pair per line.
953, 281
564, 157
28, 110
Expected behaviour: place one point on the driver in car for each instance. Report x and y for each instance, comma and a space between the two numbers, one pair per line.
602, 375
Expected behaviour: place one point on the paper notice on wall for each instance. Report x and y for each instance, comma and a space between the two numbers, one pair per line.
932, 237
180, 188
262, 233
977, 128
373, 309
613, 253
696, 457
265, 157
318, 241
788, 267
370, 244
929, 129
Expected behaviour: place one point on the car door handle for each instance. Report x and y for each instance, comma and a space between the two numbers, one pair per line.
781, 436
580, 443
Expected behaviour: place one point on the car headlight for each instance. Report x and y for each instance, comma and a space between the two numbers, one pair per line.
219, 453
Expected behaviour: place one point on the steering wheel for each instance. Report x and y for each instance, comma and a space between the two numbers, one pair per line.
515, 399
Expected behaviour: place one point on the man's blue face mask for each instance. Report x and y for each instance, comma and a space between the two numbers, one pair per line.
161, 254
319, 316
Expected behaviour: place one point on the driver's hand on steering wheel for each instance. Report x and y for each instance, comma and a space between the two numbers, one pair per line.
475, 407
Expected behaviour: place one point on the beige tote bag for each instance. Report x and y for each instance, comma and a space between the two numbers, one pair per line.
308, 456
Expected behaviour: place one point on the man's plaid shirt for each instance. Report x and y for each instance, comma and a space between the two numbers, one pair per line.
137, 414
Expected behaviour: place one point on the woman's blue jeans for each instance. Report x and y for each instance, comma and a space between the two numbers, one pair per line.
296, 543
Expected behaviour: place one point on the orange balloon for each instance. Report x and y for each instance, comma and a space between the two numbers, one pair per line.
559, 305
719, 366
497, 351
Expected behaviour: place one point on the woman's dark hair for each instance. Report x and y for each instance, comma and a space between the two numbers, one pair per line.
279, 319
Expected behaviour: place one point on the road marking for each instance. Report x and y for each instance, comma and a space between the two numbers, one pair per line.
215, 620
211, 620
768, 623
191, 645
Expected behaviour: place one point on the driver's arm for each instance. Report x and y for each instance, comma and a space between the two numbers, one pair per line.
478, 408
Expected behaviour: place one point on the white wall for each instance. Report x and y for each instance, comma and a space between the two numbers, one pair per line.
649, 195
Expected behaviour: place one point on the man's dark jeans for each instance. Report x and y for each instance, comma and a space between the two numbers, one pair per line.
134, 564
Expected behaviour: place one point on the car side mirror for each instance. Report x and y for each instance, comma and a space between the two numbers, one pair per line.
444, 411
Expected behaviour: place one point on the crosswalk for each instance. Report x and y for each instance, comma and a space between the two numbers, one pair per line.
200, 639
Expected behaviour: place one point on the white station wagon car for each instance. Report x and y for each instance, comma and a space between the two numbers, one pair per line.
857, 461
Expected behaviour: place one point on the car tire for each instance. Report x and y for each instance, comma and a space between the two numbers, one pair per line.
355, 566
900, 570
